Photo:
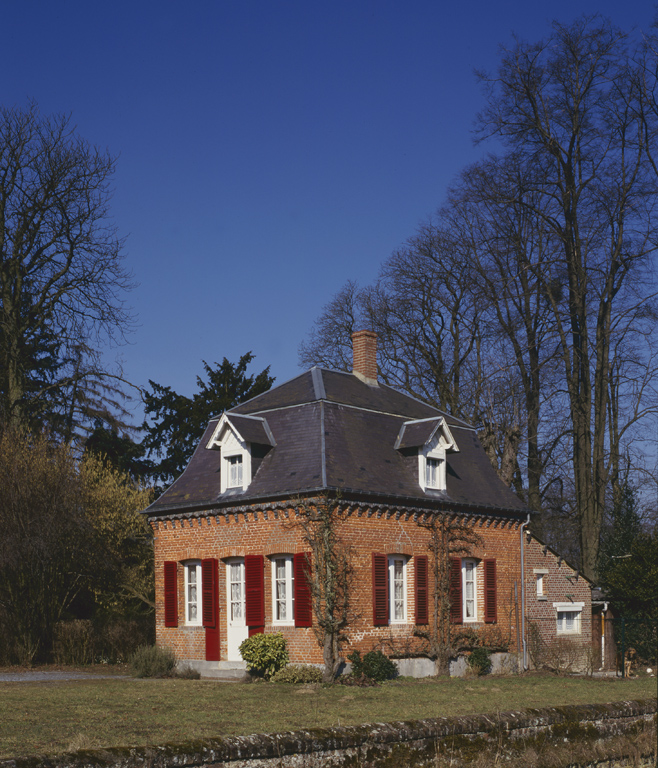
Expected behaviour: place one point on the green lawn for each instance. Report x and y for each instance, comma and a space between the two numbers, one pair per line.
50, 718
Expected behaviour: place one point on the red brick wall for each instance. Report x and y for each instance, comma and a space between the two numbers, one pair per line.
560, 582
364, 531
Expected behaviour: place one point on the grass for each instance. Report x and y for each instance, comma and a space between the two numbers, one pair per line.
51, 718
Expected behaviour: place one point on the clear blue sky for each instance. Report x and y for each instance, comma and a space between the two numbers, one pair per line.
269, 150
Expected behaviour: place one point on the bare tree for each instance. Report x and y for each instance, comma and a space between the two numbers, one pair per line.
329, 575
61, 272
450, 537
563, 105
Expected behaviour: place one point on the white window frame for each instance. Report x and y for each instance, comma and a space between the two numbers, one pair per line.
288, 582
241, 620
564, 608
193, 567
392, 581
540, 582
469, 564
232, 461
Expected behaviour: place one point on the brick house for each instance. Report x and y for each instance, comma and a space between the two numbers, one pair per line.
230, 559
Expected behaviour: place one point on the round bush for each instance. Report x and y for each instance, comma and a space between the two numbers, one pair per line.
265, 654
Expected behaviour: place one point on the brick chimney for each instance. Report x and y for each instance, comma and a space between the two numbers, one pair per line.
364, 346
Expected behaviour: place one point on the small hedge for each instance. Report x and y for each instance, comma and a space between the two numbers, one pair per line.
298, 673
480, 661
265, 654
153, 661
374, 665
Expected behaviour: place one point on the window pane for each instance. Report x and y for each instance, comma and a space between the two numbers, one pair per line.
192, 612
280, 586
431, 473
398, 590
469, 590
237, 592
235, 471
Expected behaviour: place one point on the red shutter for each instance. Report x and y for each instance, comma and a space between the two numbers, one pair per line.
490, 612
303, 601
421, 579
171, 593
254, 590
379, 590
209, 572
455, 590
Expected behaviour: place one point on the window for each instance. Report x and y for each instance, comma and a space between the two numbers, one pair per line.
568, 618
236, 590
432, 466
464, 576
234, 479
282, 590
469, 591
432, 473
397, 588
540, 581
193, 593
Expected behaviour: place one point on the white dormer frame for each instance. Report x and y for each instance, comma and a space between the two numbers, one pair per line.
440, 442
231, 445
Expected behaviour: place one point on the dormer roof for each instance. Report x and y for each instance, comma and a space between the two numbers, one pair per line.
421, 432
247, 429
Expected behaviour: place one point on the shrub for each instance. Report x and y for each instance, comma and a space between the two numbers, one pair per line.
298, 673
153, 661
374, 665
265, 654
73, 642
480, 661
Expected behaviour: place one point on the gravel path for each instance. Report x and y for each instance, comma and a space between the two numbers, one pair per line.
51, 676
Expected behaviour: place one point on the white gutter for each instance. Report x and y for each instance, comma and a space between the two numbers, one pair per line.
524, 644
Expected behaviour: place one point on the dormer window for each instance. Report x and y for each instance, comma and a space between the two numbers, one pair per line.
429, 439
234, 479
243, 441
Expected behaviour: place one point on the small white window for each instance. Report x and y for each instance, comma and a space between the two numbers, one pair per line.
193, 593
234, 471
282, 590
540, 584
397, 588
568, 618
469, 590
432, 473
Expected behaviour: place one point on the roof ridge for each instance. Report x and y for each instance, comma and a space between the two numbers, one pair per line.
318, 383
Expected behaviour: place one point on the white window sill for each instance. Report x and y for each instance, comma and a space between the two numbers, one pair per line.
542, 597
283, 623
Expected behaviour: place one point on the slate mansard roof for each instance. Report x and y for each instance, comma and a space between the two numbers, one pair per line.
328, 430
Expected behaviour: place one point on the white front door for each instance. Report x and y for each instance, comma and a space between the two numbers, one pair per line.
237, 627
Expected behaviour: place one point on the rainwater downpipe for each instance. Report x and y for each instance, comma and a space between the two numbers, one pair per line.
524, 644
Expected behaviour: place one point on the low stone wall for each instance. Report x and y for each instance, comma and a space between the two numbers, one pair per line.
512, 738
